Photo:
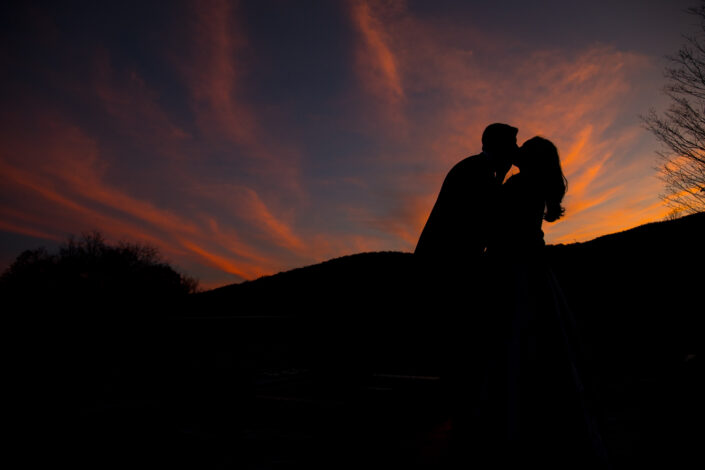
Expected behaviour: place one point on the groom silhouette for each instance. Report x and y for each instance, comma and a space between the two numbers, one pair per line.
460, 224
457, 289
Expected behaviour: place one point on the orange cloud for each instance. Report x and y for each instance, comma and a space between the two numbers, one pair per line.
400, 221
69, 170
281, 233
622, 218
246, 204
216, 69
6, 226
579, 101
214, 75
60, 179
223, 188
377, 64
134, 107
576, 151
223, 263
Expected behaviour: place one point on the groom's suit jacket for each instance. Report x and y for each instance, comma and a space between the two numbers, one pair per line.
460, 224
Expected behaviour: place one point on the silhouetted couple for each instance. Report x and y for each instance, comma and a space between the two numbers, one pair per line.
513, 357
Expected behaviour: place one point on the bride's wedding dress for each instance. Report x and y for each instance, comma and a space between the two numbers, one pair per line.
531, 405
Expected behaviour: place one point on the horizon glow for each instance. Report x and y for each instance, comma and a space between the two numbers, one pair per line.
248, 138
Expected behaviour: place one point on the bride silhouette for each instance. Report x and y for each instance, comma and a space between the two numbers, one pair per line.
529, 405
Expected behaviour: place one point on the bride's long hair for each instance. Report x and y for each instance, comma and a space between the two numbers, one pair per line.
542, 163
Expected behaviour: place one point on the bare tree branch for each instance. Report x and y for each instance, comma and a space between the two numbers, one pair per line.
681, 128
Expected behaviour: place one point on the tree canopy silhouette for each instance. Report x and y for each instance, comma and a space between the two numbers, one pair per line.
682, 127
90, 269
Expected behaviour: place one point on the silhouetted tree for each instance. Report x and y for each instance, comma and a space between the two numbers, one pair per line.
87, 271
682, 127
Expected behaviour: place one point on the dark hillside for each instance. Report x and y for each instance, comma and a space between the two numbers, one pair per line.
344, 358
636, 295
346, 283
644, 279
641, 287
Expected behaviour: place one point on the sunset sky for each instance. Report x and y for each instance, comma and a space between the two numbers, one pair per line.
248, 138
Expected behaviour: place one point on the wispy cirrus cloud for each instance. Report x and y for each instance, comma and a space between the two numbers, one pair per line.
463, 82
241, 145
214, 69
376, 62
61, 178
147, 174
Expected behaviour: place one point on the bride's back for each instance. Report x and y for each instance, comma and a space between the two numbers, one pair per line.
517, 227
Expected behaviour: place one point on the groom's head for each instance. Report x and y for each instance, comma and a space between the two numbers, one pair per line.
500, 141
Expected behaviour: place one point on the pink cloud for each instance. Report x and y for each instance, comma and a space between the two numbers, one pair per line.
222, 188
135, 110
214, 74
582, 101
59, 179
377, 64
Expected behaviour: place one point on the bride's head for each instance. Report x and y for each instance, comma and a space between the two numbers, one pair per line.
538, 160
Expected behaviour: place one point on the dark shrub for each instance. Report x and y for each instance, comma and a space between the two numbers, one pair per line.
90, 274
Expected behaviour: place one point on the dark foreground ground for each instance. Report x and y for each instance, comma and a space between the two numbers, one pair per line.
274, 392
340, 364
